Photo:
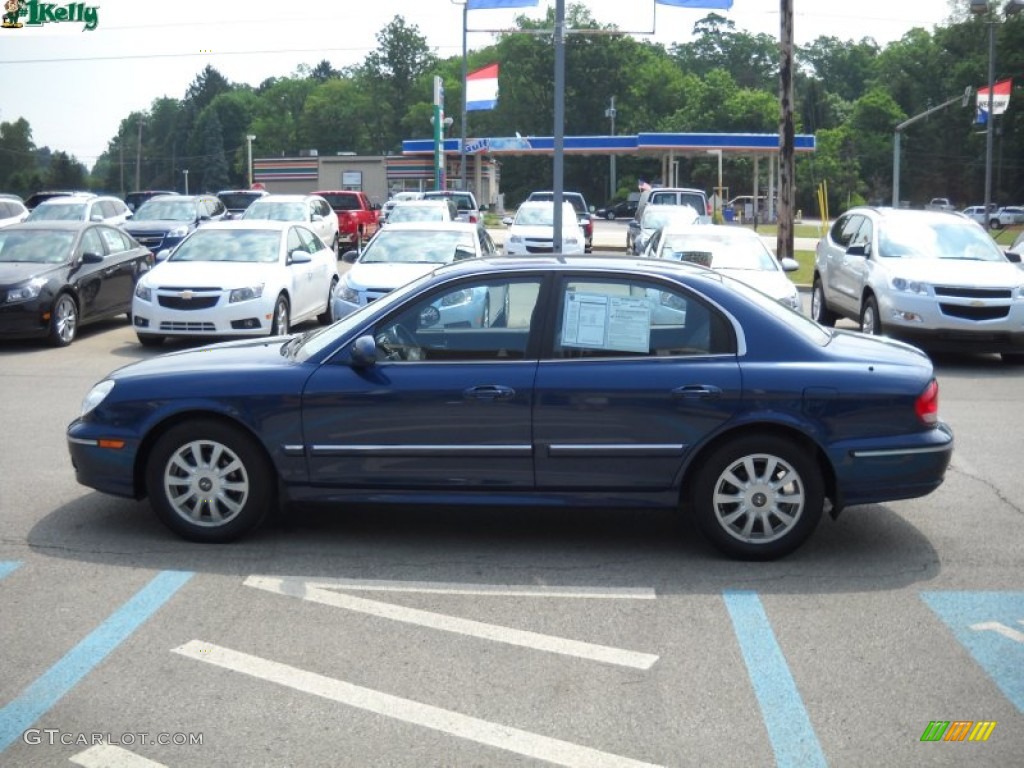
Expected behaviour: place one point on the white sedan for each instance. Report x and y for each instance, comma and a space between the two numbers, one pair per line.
237, 278
735, 251
533, 229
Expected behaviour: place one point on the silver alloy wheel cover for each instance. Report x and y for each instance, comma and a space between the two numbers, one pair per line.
280, 317
64, 319
759, 498
817, 300
869, 320
205, 483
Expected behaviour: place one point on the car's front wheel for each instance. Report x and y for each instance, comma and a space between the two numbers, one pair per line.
870, 320
63, 321
280, 323
327, 316
209, 481
758, 497
820, 312
996, 224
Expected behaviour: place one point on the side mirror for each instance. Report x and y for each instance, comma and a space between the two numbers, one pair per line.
507, 221
463, 252
790, 265
861, 249
349, 257
91, 258
364, 352
162, 254
299, 257
1013, 256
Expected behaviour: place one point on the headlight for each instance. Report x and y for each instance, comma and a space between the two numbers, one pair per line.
457, 298
178, 231
245, 294
347, 293
97, 395
515, 239
910, 286
29, 290
143, 292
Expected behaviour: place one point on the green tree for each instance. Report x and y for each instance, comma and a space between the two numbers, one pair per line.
16, 153
65, 172
213, 171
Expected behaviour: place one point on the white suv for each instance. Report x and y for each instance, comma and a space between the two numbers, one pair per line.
109, 210
932, 278
312, 210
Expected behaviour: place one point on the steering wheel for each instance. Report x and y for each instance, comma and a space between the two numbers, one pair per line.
398, 343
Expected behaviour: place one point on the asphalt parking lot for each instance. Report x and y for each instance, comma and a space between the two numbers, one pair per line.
415, 637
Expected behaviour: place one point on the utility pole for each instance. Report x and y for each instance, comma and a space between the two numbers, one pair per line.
787, 135
558, 168
138, 159
610, 114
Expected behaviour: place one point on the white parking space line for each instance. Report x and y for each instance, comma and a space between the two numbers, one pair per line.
293, 587
494, 590
462, 726
110, 756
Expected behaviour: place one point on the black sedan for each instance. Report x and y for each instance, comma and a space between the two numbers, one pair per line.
595, 382
624, 210
57, 275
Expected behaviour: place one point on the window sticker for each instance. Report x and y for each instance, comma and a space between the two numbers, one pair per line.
598, 321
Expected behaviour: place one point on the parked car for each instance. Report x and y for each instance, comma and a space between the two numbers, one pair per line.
134, 199
626, 209
940, 204
58, 275
532, 229
422, 210
109, 210
611, 382
579, 205
1007, 216
403, 251
735, 251
398, 197
40, 197
695, 198
237, 200
465, 202
932, 278
231, 278
161, 223
358, 215
311, 210
12, 212
654, 218
977, 213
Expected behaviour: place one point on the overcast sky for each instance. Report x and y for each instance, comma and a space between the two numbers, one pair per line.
75, 86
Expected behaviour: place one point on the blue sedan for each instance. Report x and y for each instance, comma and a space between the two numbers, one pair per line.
601, 382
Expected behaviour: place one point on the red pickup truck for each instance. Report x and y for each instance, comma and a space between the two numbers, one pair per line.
358, 217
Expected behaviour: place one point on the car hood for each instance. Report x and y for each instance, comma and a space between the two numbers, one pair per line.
231, 358
542, 231
775, 284
389, 275
980, 274
219, 274
154, 225
14, 272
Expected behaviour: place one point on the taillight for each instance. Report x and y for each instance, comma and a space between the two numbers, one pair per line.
927, 404
709, 209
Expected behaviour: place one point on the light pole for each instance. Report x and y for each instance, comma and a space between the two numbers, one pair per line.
610, 114
718, 195
249, 139
981, 7
185, 171
462, 142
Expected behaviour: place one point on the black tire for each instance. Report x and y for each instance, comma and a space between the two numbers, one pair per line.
200, 502
610, 216
995, 224
327, 316
63, 321
148, 340
779, 519
820, 312
870, 320
280, 324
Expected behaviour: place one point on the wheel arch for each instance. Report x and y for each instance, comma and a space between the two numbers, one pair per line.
696, 461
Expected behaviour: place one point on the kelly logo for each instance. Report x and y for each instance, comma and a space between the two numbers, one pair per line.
32, 13
958, 730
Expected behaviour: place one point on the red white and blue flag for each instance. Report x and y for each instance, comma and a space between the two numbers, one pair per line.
482, 88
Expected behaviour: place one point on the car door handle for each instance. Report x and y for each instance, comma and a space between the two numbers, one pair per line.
489, 392
697, 392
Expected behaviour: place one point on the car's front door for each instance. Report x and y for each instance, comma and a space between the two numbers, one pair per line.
635, 373
447, 404
95, 279
301, 275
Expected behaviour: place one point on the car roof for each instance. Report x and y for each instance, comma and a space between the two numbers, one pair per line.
58, 224
249, 224
432, 226
710, 231
612, 263
287, 198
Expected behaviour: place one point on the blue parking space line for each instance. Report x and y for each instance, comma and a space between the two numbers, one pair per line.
8, 567
50, 687
789, 727
990, 625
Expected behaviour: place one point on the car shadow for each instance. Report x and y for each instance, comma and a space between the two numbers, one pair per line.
867, 548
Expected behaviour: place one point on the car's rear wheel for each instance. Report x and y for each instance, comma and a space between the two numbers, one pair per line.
209, 481
758, 497
280, 324
63, 321
819, 308
610, 215
327, 316
870, 320
995, 224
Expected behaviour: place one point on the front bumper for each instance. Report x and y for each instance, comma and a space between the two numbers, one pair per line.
245, 318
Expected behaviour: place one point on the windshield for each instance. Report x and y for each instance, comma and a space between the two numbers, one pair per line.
36, 247
166, 210
936, 239
656, 218
247, 245
237, 201
724, 252
543, 215
58, 212
261, 211
409, 212
415, 246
